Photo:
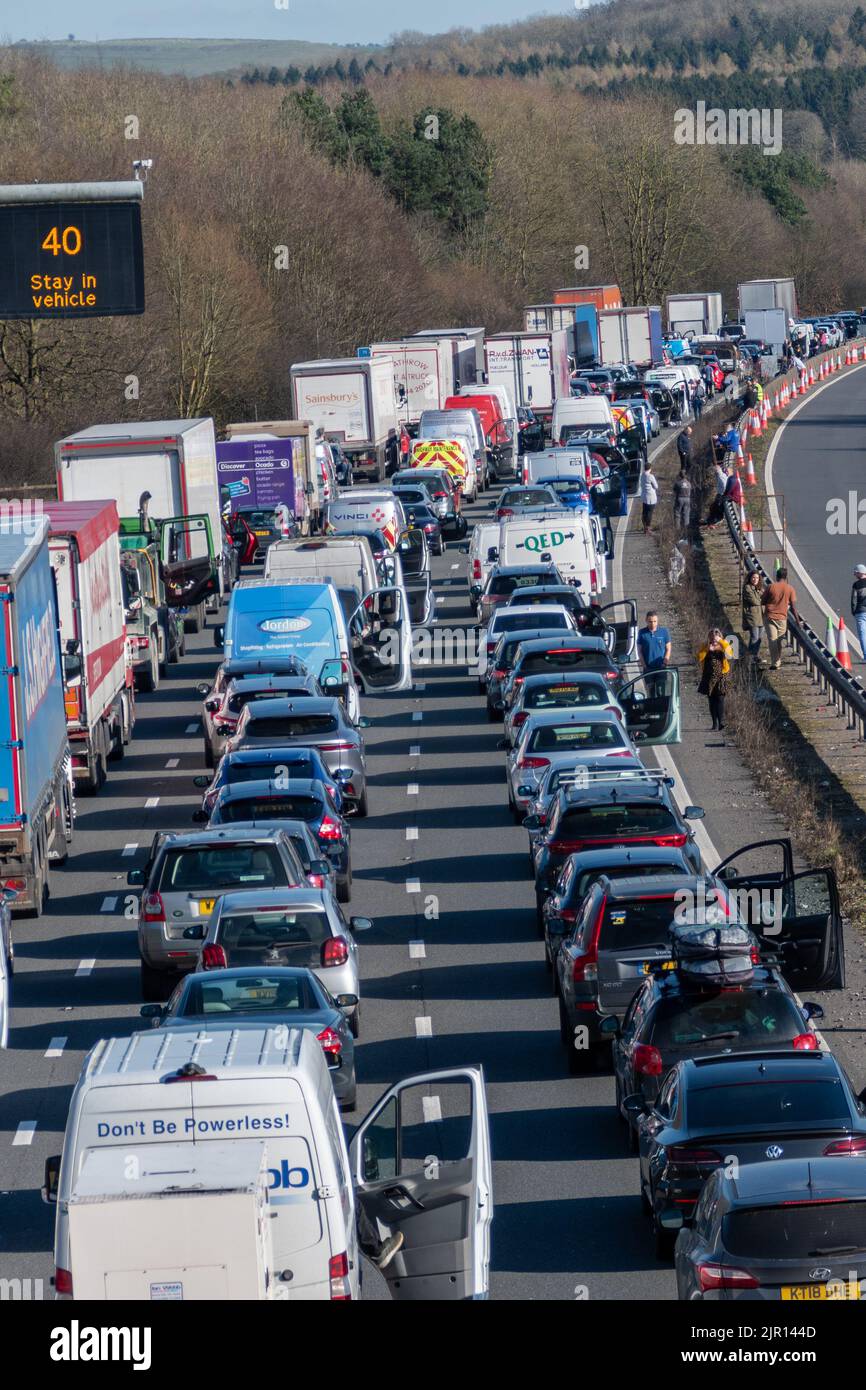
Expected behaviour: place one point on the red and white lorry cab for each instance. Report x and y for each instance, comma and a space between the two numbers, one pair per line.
84, 550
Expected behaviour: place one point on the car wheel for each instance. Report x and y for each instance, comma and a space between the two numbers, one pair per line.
355, 1021
153, 984
481, 686
664, 1242
491, 713
163, 650
344, 888
209, 760
363, 806
349, 1102
645, 1204
631, 1138
565, 1033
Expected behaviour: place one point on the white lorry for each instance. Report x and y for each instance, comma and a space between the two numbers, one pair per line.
694, 313
354, 401
768, 294
535, 368
162, 473
174, 1222
423, 374
468, 350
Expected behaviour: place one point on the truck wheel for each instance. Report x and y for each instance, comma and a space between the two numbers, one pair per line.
149, 679
163, 649
153, 984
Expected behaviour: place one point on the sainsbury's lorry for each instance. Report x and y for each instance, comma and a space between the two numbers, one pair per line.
354, 400
175, 462
37, 804
84, 549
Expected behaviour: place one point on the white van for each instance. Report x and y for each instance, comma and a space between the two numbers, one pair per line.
346, 560
380, 510
484, 538
557, 463
582, 412
433, 1183
500, 391
574, 541
449, 451
448, 424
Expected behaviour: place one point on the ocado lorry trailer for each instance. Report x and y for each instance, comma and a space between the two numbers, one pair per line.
268, 463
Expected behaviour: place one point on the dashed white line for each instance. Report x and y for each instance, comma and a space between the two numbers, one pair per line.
413, 885
192, 728
173, 762
129, 850
420, 685
108, 904
25, 1132
412, 789
455, 567
431, 1109
151, 802
85, 966
424, 1027
417, 717
414, 750
411, 832
55, 1047
417, 950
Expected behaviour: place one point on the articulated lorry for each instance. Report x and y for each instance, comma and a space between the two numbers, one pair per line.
581, 321
694, 313
534, 367
84, 549
162, 472
37, 802
154, 631
265, 464
468, 352
354, 401
601, 296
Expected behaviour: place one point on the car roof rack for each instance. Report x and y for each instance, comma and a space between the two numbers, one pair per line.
582, 777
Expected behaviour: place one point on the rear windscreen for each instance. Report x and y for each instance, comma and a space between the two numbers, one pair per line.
738, 1018
511, 647
588, 877
639, 922
241, 698
271, 808
563, 696
562, 660
533, 497
248, 994
221, 867
804, 1231
617, 820
768, 1103
264, 519
262, 772
293, 726
552, 738
519, 621
254, 930
507, 583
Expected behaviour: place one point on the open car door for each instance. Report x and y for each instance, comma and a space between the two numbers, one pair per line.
652, 707
797, 915
621, 617
381, 632
189, 568
421, 1165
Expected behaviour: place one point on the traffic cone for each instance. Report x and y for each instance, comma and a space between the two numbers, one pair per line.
751, 480
811, 376
746, 527
843, 656
740, 454
756, 423
830, 639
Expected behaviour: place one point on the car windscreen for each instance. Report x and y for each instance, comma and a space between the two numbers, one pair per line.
247, 994
556, 738
770, 1103
566, 696
220, 867
607, 820
637, 922
292, 726
284, 806
240, 931
739, 1018
800, 1230
562, 659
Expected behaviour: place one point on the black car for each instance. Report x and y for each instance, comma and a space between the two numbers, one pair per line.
505, 654
531, 431
421, 516
264, 526
618, 628
542, 654
256, 764
793, 1230
735, 1110
558, 909
669, 1019
285, 798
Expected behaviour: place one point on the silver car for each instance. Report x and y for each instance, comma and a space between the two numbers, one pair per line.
315, 723
567, 737
296, 926
184, 879
557, 690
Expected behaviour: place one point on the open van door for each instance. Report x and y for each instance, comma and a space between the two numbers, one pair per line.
381, 634
421, 1165
652, 707
189, 568
621, 619
797, 915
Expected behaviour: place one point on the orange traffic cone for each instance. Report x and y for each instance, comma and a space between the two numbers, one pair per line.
843, 656
746, 527
811, 376
751, 480
740, 453
756, 423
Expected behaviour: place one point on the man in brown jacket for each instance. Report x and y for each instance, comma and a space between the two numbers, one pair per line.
777, 598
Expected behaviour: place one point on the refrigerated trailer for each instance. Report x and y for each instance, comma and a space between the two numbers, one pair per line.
84, 549
468, 351
37, 804
768, 294
354, 400
631, 335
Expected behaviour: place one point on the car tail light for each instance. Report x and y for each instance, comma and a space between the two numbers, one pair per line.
585, 967
213, 958
684, 1157
224, 725
593, 579
723, 1277
611, 675
316, 880
15, 885
669, 841
330, 1041
854, 1145
152, 908
63, 1282
519, 719
805, 1042
335, 951
491, 648
647, 1061
336, 747
338, 1277
504, 511
476, 569
533, 762
329, 829
499, 674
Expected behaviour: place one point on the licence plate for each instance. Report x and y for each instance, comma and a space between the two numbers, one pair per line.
261, 533
205, 906
815, 1293
647, 966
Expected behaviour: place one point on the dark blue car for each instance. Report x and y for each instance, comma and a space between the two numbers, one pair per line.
255, 764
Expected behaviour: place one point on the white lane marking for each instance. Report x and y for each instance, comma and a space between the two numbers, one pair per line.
431, 1109
55, 1047
420, 685
108, 904
413, 885
129, 850
25, 1132
192, 728
173, 762
793, 558
414, 750
417, 950
424, 1027
151, 802
417, 717
411, 832
455, 567
412, 789
85, 966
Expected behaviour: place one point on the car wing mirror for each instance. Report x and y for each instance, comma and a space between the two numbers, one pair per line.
532, 823
219, 636
609, 1027
694, 813
202, 688
201, 781
360, 923
199, 815
135, 878
51, 1181
347, 1001
635, 1105
671, 1220
151, 1011
812, 1010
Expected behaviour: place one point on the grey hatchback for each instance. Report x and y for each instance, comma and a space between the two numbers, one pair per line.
313, 723
184, 879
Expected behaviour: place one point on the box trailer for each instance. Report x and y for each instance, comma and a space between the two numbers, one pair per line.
468, 351
631, 335
541, 318
694, 313
768, 294
602, 296
352, 399
269, 463
84, 550
769, 326
423, 374
175, 462
534, 367
37, 805
175, 1222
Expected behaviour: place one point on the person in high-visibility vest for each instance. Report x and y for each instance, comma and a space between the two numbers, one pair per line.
760, 390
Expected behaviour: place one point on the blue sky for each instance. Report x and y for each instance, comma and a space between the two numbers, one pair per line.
335, 21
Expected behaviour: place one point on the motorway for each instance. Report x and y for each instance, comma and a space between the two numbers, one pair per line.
452, 970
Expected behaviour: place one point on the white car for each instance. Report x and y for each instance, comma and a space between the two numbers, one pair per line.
514, 618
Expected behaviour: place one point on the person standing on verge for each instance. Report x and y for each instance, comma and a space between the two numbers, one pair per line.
858, 604
682, 501
753, 613
653, 644
715, 662
684, 448
649, 496
776, 599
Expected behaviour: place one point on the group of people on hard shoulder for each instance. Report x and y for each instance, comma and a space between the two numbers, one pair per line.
765, 609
